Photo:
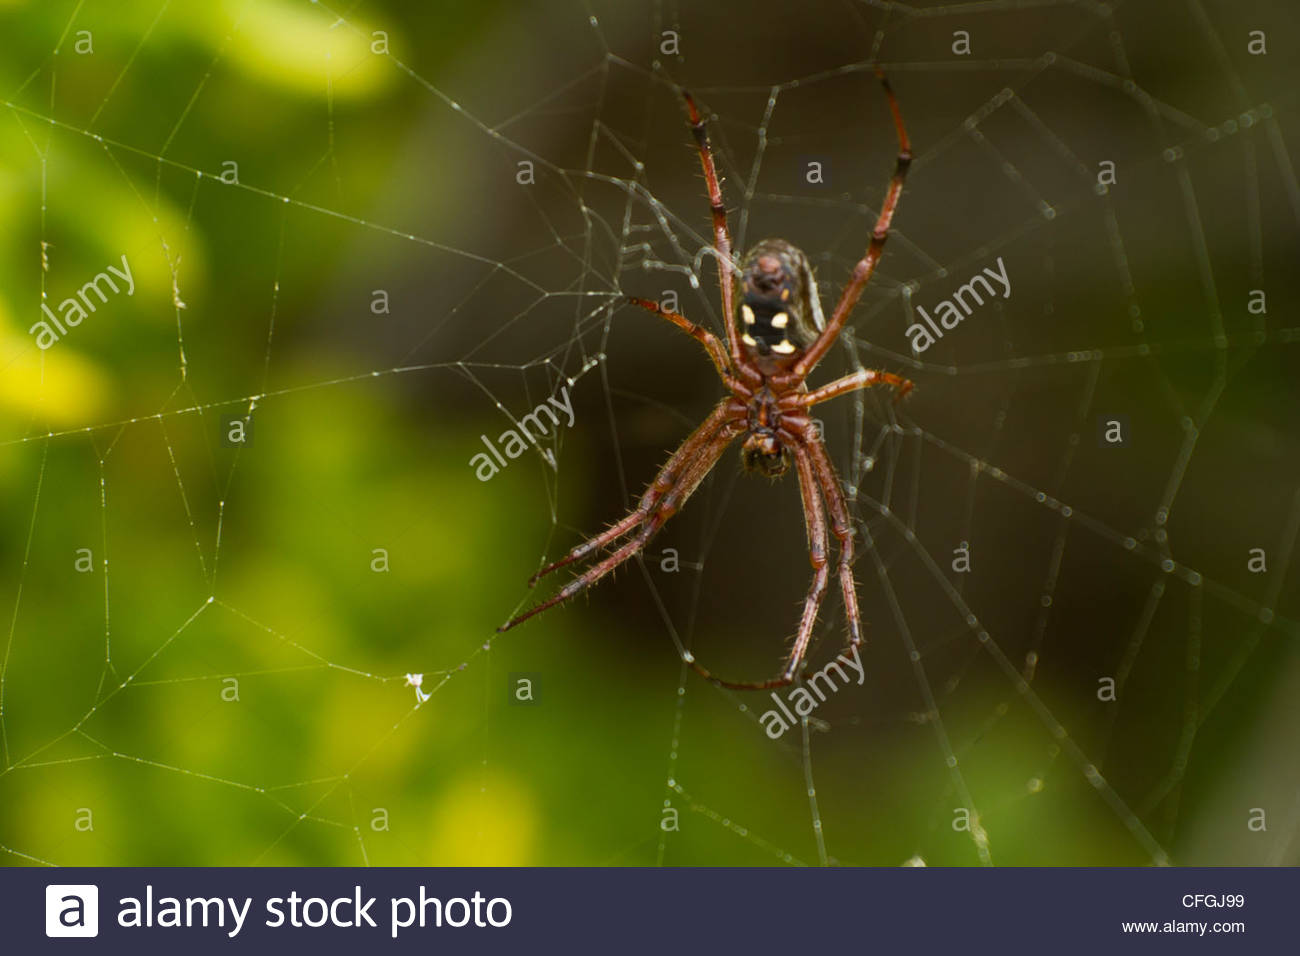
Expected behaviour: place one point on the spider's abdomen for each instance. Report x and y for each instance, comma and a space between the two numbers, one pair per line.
780, 314
766, 326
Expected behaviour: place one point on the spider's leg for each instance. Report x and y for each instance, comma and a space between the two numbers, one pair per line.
841, 527
697, 332
862, 378
662, 484
696, 466
721, 235
815, 521
867, 265
613, 533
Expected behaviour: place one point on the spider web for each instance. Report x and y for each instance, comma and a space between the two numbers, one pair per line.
283, 650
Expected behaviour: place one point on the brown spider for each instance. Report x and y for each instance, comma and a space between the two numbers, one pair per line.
782, 338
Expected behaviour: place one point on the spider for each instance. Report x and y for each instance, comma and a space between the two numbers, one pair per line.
780, 338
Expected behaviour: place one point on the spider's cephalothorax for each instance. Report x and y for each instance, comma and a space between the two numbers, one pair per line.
773, 343
780, 313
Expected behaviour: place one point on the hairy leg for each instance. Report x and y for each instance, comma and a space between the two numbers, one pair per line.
663, 482
721, 235
862, 378
663, 505
841, 527
867, 265
815, 523
697, 332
